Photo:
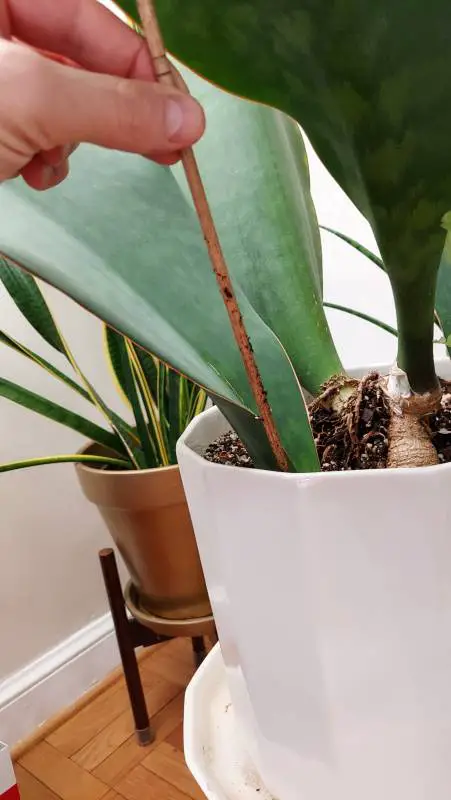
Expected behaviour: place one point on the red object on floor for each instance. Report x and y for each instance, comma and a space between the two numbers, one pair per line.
8, 785
11, 794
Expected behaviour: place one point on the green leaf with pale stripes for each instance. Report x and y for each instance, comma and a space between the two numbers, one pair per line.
115, 350
42, 362
29, 299
74, 458
117, 421
47, 408
174, 397
123, 370
150, 366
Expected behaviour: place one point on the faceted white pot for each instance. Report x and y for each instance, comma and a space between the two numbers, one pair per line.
332, 598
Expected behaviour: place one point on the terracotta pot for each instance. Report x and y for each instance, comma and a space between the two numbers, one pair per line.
148, 518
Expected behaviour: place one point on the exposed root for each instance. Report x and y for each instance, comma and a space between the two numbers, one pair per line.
409, 442
350, 423
377, 423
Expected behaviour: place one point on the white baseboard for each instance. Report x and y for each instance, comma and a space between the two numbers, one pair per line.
56, 680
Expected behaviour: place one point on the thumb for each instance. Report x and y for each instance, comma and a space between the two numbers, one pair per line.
132, 115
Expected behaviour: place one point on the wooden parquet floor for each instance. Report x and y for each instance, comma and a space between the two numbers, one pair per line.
93, 754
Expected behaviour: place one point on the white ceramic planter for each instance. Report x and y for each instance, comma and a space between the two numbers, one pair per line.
332, 597
214, 749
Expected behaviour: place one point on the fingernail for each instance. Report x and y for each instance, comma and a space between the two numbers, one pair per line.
67, 150
174, 118
184, 120
51, 176
47, 175
62, 171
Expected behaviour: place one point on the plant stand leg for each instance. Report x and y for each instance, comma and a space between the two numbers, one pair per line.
144, 733
199, 650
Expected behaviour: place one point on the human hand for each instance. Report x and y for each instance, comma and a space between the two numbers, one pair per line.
112, 100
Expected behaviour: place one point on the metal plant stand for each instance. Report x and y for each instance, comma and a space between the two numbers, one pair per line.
131, 634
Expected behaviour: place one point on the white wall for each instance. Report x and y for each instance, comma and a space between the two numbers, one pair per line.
350, 279
50, 584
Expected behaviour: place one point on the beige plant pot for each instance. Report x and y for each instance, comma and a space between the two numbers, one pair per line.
147, 516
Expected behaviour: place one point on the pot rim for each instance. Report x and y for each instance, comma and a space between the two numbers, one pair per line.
124, 472
184, 449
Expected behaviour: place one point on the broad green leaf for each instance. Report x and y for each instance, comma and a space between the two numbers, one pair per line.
370, 83
367, 317
75, 458
47, 408
120, 238
29, 299
270, 237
